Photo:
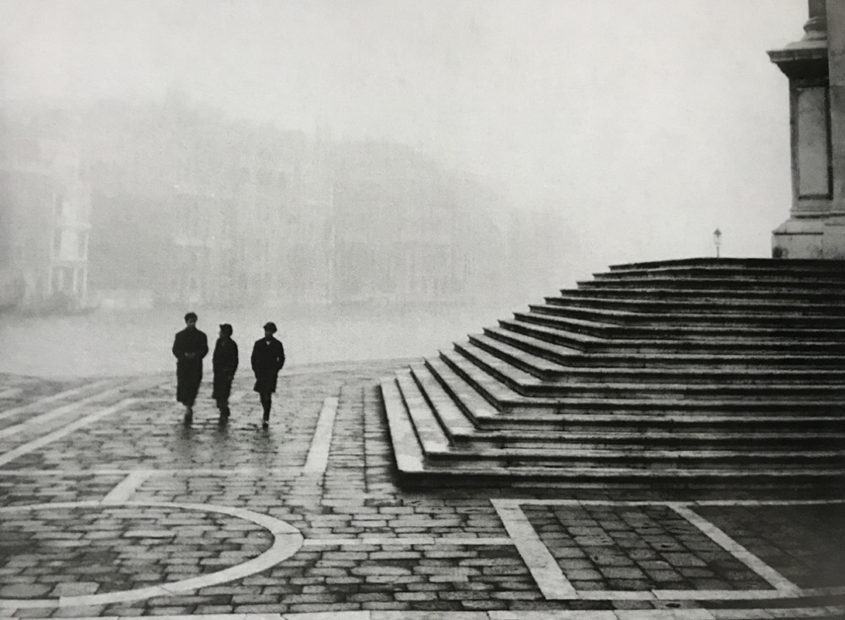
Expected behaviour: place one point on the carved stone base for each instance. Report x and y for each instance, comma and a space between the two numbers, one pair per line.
810, 238
833, 240
798, 238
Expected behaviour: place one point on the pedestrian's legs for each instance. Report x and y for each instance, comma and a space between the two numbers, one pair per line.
266, 402
189, 385
223, 406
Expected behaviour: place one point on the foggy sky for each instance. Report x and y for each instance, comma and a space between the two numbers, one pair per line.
649, 123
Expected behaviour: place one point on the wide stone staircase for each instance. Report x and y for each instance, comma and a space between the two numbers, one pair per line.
682, 372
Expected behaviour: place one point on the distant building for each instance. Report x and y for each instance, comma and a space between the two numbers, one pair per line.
186, 207
136, 160
205, 210
45, 210
406, 232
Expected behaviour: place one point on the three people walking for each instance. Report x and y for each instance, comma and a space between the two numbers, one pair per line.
190, 346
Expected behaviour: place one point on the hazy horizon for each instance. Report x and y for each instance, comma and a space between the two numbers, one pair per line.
649, 123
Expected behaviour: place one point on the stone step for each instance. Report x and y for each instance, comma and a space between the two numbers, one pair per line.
672, 373
577, 336
809, 266
421, 446
667, 330
653, 422
500, 395
727, 274
728, 307
658, 292
684, 320
450, 416
540, 477
540, 367
505, 398
571, 339
570, 356
548, 370
479, 404
648, 457
429, 432
528, 384
637, 439
556, 352
460, 429
791, 286
485, 416
407, 450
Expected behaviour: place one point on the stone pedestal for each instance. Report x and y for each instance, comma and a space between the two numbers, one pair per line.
815, 66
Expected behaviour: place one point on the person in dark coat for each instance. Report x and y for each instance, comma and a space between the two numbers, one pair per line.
225, 363
189, 346
268, 358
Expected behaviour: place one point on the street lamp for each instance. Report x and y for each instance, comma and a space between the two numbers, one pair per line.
717, 240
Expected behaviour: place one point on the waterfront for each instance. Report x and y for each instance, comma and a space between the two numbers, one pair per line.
105, 343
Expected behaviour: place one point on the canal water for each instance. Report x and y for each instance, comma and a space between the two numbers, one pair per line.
109, 343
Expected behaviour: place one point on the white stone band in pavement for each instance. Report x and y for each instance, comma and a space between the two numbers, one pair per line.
286, 541
407, 541
291, 472
318, 453
763, 502
38, 420
540, 562
126, 488
35, 444
51, 399
664, 502
773, 577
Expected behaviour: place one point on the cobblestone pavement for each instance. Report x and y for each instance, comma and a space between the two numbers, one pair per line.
110, 506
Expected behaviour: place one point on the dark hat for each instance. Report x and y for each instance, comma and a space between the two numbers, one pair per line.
270, 326
226, 329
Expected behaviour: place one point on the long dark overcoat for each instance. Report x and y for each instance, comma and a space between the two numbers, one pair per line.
189, 346
225, 363
268, 358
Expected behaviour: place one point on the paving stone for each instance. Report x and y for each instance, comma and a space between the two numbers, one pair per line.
796, 541
24, 590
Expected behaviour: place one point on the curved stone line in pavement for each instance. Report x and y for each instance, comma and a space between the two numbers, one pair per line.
7, 413
286, 541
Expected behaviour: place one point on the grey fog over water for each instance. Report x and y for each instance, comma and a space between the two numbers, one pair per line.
112, 343
412, 170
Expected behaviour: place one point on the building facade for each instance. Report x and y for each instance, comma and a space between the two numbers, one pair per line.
168, 204
815, 66
45, 210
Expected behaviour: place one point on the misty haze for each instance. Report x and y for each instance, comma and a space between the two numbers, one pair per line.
378, 178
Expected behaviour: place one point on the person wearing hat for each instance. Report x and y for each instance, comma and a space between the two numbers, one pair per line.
225, 363
189, 347
268, 358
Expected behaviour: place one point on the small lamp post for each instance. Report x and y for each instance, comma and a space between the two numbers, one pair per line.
717, 240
